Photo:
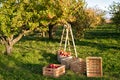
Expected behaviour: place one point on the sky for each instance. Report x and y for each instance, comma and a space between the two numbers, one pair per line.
101, 4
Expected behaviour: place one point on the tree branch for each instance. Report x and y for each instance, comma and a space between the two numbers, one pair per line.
20, 36
3, 40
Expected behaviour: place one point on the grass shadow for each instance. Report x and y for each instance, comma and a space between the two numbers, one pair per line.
35, 38
100, 34
49, 57
99, 46
14, 69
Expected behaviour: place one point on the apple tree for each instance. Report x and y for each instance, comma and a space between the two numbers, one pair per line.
63, 12
17, 18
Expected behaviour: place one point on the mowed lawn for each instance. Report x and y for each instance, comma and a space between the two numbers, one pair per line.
32, 53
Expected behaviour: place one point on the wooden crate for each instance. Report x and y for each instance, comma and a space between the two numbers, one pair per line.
66, 61
78, 66
54, 72
94, 66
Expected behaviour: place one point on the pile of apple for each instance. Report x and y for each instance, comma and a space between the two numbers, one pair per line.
63, 53
53, 66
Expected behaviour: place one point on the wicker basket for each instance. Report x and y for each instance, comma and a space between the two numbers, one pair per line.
94, 66
60, 57
54, 72
78, 66
66, 61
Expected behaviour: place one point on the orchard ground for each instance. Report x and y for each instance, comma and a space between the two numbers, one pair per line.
32, 53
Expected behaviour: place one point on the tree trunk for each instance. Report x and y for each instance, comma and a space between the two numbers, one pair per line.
43, 34
8, 42
50, 32
8, 49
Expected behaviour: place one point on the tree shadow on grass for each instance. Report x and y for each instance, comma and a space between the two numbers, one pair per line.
36, 69
49, 57
99, 46
102, 35
35, 38
13, 69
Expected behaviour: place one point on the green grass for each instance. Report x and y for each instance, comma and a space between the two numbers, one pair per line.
32, 53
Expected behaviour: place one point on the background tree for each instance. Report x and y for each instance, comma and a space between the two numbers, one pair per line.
18, 17
81, 22
53, 13
87, 18
75, 13
95, 16
67, 10
115, 11
61, 12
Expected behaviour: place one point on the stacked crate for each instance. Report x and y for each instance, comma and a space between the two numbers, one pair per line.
94, 66
78, 66
66, 61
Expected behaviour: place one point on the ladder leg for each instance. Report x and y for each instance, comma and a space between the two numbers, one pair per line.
73, 41
62, 37
66, 39
69, 42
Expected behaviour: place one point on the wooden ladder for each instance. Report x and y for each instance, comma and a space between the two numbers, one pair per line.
65, 37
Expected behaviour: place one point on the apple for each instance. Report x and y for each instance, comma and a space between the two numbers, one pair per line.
61, 52
51, 65
54, 67
67, 55
57, 66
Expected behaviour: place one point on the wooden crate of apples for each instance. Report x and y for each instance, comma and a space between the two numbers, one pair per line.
54, 70
62, 54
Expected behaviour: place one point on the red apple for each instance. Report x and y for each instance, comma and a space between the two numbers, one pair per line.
61, 52
67, 55
51, 65
57, 66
